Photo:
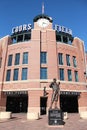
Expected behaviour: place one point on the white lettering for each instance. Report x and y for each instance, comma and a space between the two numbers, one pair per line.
59, 28
20, 28
62, 29
55, 27
70, 31
24, 27
29, 27
13, 30
16, 29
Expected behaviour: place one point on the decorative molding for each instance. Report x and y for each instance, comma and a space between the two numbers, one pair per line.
44, 81
41, 89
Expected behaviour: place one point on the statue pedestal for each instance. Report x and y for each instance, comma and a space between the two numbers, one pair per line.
55, 117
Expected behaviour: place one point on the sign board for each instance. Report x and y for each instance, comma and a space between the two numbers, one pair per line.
69, 93
59, 28
21, 28
55, 117
15, 92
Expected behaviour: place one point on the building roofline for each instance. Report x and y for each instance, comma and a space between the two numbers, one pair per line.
42, 16
4, 37
78, 39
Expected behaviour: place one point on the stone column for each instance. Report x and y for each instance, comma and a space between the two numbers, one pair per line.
33, 104
2, 102
83, 105
82, 102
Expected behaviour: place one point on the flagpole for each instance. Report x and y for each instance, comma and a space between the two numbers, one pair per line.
43, 8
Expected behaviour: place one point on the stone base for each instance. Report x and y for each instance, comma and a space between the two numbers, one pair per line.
55, 117
32, 116
65, 115
5, 115
83, 115
2, 109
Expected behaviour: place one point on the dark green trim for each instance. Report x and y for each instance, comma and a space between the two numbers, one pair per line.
42, 16
15, 36
62, 34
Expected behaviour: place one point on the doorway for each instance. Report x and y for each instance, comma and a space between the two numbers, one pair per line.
17, 103
43, 105
69, 103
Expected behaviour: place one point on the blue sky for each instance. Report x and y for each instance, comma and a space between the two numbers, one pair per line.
69, 13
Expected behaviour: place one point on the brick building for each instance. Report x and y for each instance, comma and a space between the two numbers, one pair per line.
31, 57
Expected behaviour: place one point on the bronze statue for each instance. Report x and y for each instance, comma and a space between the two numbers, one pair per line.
55, 86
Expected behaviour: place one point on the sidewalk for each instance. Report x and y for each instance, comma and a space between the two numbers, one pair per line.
19, 122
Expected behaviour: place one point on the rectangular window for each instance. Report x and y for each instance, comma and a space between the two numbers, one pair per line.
14, 40
60, 58
69, 75
25, 58
74, 61
20, 38
68, 59
17, 58
0, 62
16, 72
65, 39
76, 76
24, 73
43, 57
61, 73
8, 75
10, 60
27, 37
58, 38
70, 40
43, 73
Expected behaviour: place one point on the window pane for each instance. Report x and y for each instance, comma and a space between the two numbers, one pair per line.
76, 76
74, 61
24, 73
8, 75
68, 60
43, 57
27, 37
43, 73
15, 77
69, 75
14, 40
58, 38
60, 58
10, 60
17, 58
65, 39
25, 58
20, 38
61, 73
69, 41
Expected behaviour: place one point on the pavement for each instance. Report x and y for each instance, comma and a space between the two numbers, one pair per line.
20, 122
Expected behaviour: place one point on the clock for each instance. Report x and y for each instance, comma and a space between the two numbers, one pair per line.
43, 22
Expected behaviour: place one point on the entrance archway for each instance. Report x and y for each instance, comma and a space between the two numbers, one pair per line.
69, 103
43, 105
17, 103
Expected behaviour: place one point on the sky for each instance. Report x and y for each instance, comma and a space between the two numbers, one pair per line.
69, 13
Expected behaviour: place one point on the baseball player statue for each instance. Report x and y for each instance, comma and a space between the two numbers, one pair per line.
56, 92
